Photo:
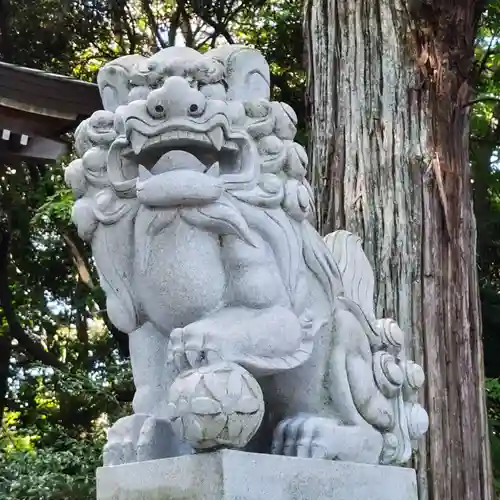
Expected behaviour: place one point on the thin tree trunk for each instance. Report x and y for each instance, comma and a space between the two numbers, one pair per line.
388, 88
15, 329
6, 52
5, 353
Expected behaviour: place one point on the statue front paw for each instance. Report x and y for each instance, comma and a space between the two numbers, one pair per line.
261, 340
140, 437
195, 346
317, 437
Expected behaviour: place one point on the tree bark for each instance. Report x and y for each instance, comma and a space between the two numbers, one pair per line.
15, 330
5, 353
388, 85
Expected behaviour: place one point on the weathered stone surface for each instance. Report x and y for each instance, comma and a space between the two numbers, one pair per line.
192, 193
235, 475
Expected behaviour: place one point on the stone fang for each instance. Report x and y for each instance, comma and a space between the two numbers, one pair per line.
217, 137
214, 170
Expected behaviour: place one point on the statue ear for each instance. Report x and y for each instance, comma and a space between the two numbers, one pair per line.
82, 142
246, 72
113, 80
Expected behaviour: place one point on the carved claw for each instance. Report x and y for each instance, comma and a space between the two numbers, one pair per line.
296, 437
138, 438
121, 438
316, 437
191, 348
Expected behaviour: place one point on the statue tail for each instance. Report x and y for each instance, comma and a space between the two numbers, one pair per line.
355, 270
390, 390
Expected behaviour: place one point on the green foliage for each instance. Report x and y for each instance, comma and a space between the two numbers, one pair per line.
485, 157
52, 445
493, 401
277, 32
62, 470
66, 366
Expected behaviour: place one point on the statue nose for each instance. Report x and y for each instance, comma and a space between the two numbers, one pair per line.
176, 99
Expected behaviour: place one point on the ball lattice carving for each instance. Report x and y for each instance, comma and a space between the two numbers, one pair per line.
217, 405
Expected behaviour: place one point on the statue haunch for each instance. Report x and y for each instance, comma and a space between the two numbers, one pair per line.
246, 328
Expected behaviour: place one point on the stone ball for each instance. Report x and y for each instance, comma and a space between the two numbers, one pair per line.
418, 421
220, 405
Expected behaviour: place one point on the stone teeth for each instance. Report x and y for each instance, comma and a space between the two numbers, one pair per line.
144, 173
192, 358
214, 170
138, 142
172, 136
231, 145
217, 137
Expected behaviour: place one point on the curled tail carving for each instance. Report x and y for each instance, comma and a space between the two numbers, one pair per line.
384, 397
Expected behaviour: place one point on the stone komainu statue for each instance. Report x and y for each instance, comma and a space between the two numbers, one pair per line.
246, 328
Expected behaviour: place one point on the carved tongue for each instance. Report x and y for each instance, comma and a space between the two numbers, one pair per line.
178, 160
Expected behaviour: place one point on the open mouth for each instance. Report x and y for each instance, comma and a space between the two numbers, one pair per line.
102, 129
209, 151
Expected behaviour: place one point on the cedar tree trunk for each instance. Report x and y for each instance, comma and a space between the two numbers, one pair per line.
388, 94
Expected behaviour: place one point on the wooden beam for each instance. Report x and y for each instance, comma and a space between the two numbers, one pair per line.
35, 124
46, 91
36, 109
37, 148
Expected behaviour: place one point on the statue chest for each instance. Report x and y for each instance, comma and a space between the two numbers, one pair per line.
178, 272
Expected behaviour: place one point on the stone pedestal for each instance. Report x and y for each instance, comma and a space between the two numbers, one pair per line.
235, 475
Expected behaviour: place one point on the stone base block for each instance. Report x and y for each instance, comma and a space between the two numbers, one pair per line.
236, 475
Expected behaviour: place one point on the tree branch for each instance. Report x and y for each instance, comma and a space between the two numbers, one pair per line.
174, 26
131, 33
481, 99
83, 269
31, 346
218, 26
120, 337
5, 353
153, 24
187, 31
79, 261
482, 65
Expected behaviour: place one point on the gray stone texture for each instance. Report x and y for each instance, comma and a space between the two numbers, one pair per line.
243, 321
235, 475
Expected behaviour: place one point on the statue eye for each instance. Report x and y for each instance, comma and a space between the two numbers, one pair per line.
198, 104
155, 85
156, 105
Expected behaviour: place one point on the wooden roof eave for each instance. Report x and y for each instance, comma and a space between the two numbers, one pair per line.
37, 109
